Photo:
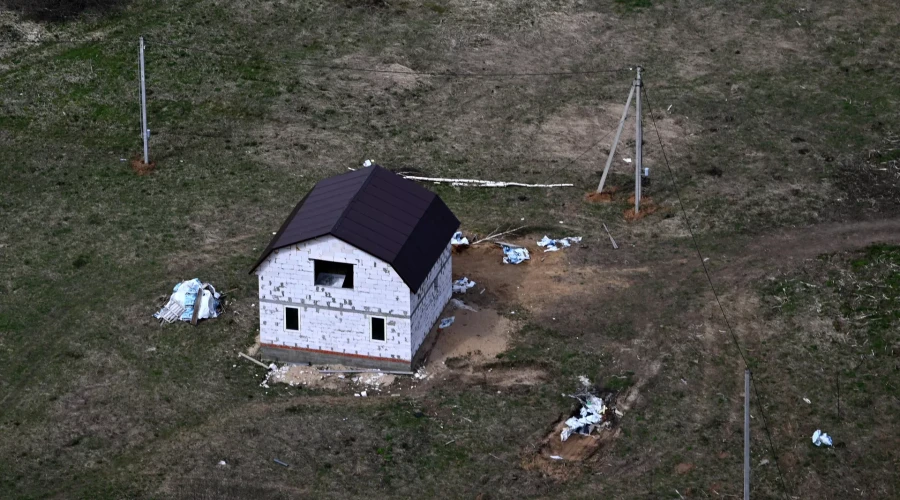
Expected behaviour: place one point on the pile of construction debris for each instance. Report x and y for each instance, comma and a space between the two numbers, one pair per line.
191, 300
597, 412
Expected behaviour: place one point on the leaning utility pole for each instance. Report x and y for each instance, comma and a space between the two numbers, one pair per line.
145, 132
638, 142
746, 434
635, 92
612, 149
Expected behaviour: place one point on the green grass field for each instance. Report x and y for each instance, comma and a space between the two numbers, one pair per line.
777, 118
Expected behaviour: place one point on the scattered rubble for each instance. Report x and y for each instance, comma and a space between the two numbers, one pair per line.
458, 304
446, 322
300, 375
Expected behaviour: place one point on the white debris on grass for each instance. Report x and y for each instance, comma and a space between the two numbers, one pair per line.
590, 417
222, 463
515, 255
459, 239
275, 373
421, 374
556, 457
303, 375
462, 305
819, 438
375, 380
446, 322
183, 299
551, 245
584, 381
807, 401
462, 285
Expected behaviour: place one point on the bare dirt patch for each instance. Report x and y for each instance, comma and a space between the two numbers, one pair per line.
386, 76
468, 350
608, 195
567, 133
538, 283
474, 335
647, 207
142, 168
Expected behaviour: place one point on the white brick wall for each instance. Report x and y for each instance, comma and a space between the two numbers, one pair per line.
431, 298
333, 319
337, 319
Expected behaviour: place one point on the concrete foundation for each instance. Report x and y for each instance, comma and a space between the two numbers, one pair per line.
288, 355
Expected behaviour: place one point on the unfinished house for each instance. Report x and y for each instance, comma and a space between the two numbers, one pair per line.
358, 273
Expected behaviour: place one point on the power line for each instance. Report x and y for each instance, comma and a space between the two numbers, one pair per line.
445, 74
47, 42
712, 287
580, 156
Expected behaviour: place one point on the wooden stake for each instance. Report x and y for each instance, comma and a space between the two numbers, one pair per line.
611, 240
248, 358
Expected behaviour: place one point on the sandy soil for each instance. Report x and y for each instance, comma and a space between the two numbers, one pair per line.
476, 335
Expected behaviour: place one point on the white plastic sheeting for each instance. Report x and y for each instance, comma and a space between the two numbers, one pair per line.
590, 416
459, 239
462, 285
551, 245
515, 255
819, 438
184, 298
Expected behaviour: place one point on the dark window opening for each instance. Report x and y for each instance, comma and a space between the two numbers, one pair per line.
377, 328
291, 318
333, 274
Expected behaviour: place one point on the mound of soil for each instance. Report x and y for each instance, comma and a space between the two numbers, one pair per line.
647, 208
595, 197
606, 196
142, 168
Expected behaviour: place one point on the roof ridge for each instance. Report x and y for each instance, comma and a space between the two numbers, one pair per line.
362, 186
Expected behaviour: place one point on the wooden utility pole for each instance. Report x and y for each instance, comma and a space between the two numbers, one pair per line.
638, 142
145, 132
746, 434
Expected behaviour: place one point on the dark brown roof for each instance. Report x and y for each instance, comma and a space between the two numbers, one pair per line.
379, 212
